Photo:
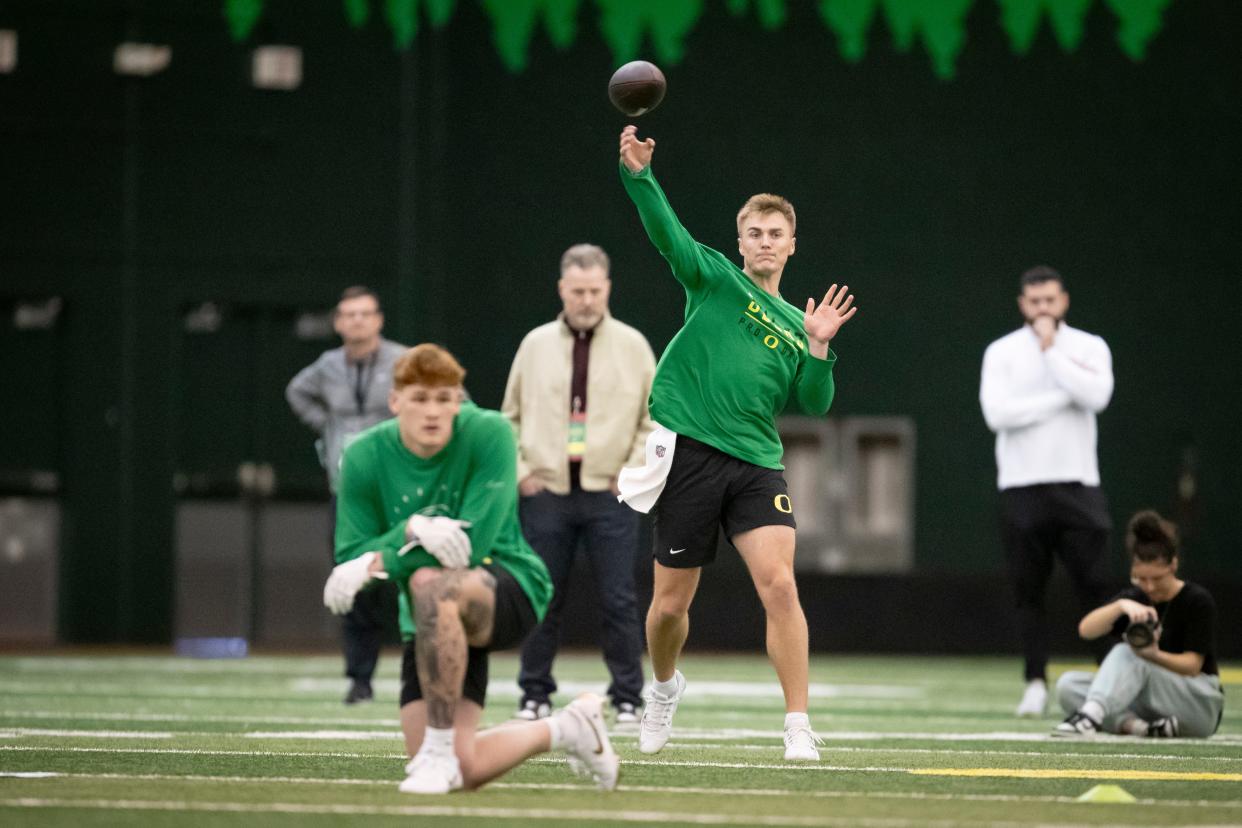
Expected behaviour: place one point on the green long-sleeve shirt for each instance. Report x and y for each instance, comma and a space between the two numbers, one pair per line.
473, 478
741, 353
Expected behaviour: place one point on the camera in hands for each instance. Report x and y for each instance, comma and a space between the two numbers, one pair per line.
1140, 634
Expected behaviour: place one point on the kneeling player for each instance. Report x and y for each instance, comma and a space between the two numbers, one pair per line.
429, 499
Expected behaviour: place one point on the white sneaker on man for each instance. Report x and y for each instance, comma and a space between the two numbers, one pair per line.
533, 709
431, 773
657, 720
586, 741
1034, 699
800, 743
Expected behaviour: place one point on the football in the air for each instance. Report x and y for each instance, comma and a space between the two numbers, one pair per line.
637, 87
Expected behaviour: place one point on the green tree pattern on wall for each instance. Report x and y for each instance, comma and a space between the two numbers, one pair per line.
625, 25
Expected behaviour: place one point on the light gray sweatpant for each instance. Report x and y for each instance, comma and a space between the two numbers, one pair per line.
1127, 683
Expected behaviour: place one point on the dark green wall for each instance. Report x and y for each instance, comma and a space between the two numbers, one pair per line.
453, 186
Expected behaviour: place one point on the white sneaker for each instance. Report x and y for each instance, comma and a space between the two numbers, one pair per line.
657, 721
1034, 699
431, 773
586, 741
800, 744
532, 710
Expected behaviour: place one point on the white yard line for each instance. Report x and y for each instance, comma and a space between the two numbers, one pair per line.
500, 688
196, 752
696, 738
783, 766
113, 716
18, 732
544, 814
506, 688
586, 788
327, 735
682, 732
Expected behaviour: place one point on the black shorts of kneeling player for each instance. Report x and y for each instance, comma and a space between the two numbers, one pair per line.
708, 490
513, 619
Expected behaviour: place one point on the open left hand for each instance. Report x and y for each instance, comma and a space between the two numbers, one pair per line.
822, 323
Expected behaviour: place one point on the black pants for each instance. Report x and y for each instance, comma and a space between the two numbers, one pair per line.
362, 628
1068, 521
607, 531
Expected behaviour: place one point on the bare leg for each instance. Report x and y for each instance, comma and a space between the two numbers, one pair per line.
453, 611
668, 618
440, 648
483, 756
769, 553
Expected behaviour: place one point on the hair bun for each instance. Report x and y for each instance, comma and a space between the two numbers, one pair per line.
1147, 528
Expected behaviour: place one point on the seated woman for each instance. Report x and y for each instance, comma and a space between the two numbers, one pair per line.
1168, 687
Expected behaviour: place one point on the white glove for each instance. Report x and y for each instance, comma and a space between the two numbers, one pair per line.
345, 581
442, 537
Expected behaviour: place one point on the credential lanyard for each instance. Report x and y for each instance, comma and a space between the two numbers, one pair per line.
362, 380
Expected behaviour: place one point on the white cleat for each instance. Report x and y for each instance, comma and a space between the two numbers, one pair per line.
1034, 699
800, 744
431, 773
590, 751
657, 721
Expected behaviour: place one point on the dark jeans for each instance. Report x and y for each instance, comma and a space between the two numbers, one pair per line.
1069, 521
362, 628
606, 531
362, 633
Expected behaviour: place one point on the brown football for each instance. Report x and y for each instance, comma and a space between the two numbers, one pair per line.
637, 87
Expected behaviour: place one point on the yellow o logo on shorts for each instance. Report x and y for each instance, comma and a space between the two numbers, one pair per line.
782, 504
771, 341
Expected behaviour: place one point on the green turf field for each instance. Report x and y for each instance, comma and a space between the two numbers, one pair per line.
90, 740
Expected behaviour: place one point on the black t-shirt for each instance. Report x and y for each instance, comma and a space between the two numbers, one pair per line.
1188, 622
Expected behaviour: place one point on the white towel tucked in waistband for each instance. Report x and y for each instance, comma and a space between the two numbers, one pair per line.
641, 487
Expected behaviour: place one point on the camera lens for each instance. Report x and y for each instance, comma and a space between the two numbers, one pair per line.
1140, 634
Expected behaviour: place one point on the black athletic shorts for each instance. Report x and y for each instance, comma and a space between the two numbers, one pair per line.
708, 490
513, 619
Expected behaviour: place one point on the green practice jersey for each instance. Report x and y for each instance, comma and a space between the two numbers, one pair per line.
473, 478
740, 355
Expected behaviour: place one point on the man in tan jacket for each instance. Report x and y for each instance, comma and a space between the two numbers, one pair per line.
577, 398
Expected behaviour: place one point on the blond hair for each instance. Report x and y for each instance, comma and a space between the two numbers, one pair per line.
768, 203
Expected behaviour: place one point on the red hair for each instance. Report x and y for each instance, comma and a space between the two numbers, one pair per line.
428, 365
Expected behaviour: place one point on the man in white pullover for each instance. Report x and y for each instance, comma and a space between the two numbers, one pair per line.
577, 398
1040, 390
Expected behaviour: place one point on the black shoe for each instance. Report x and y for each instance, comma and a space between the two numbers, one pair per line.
1078, 724
359, 691
627, 714
1163, 728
